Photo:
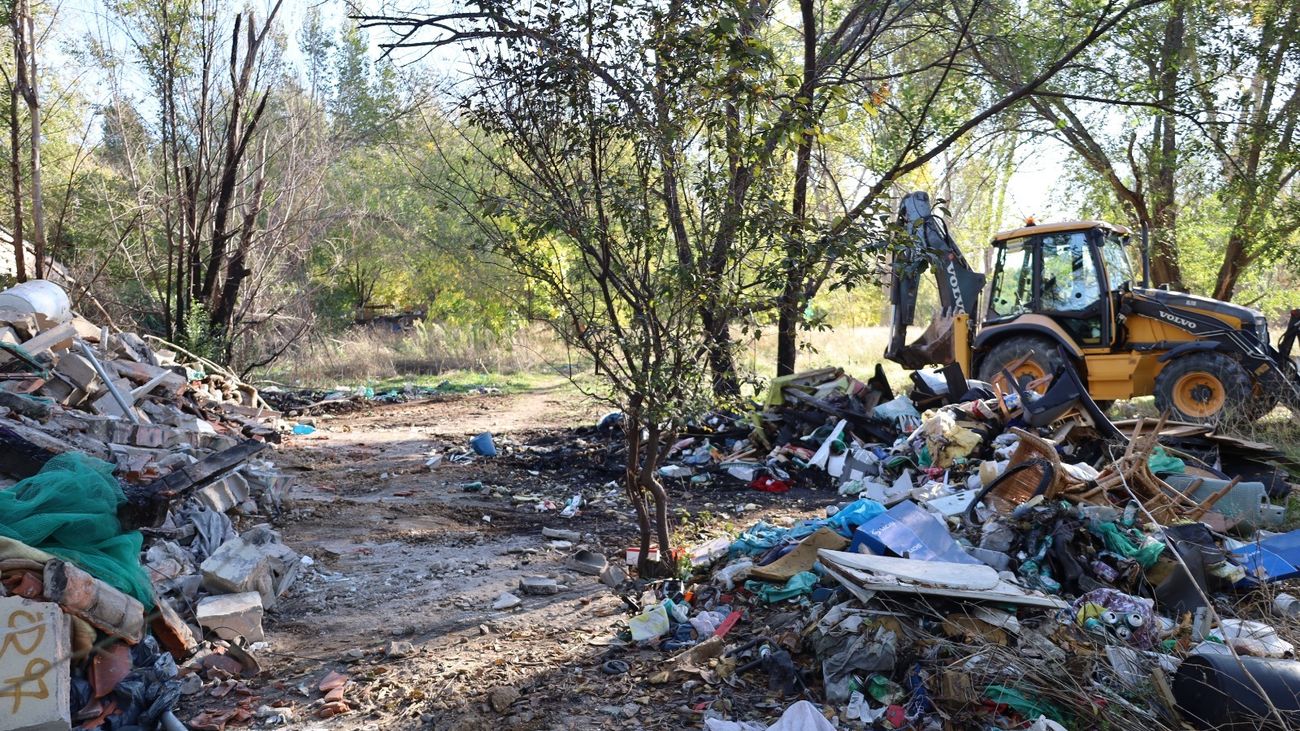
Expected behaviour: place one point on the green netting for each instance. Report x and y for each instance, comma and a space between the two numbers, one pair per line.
69, 509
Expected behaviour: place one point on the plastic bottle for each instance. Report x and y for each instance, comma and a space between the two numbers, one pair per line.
1286, 605
1130, 513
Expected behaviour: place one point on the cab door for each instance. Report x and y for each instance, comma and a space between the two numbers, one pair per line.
1071, 288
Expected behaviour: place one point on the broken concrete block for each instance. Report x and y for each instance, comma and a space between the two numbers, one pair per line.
613, 576
32, 408
561, 534
164, 380
267, 486
285, 563
239, 567
232, 615
77, 369
134, 459
150, 436
61, 390
86, 330
506, 601
103, 606
166, 560
99, 427
539, 585
212, 442
34, 665
132, 347
106, 405
9, 335
120, 432
55, 340
502, 698
399, 648
224, 494
22, 322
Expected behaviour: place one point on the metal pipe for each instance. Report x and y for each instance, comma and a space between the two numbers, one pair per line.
108, 382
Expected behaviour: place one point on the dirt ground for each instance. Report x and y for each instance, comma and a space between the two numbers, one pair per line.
407, 563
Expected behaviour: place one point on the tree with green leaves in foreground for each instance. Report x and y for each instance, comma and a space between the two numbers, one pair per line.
782, 133
640, 166
570, 195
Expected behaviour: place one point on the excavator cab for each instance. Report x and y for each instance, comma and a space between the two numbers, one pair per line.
1068, 272
1066, 294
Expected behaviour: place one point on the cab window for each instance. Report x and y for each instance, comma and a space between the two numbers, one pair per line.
1071, 284
1070, 280
1119, 268
1012, 288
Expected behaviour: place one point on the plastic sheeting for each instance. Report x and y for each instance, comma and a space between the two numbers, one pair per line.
798, 585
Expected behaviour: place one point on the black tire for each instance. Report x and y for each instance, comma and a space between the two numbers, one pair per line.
1046, 357
1203, 387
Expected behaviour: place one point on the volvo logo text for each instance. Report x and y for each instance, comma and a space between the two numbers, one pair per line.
958, 300
1179, 321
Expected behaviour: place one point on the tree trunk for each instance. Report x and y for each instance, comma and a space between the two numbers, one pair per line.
716, 315
787, 327
791, 306
632, 483
1235, 260
16, 178
223, 310
722, 363
34, 111
649, 481
640, 482
1164, 204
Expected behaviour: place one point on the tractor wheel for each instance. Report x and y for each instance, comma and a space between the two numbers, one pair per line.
1202, 387
1044, 357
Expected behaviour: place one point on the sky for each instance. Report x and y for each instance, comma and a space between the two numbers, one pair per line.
1033, 188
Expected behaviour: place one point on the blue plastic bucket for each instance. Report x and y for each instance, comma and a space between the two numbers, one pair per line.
483, 445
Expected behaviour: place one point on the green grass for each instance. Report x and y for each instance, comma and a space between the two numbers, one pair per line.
1291, 520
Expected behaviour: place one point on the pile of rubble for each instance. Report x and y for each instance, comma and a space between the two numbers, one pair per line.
1004, 559
126, 466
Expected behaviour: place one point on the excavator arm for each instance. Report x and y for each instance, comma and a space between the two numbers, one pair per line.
949, 335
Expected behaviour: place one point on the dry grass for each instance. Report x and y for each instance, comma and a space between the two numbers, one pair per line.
855, 349
364, 355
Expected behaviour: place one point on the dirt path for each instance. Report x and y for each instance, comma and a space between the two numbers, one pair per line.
407, 564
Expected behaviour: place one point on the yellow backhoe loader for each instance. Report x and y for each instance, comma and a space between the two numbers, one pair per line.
1067, 291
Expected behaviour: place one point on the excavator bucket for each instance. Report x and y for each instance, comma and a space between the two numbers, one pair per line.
935, 345
959, 290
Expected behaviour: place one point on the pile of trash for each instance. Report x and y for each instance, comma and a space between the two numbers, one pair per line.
1001, 559
800, 433
306, 402
126, 466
